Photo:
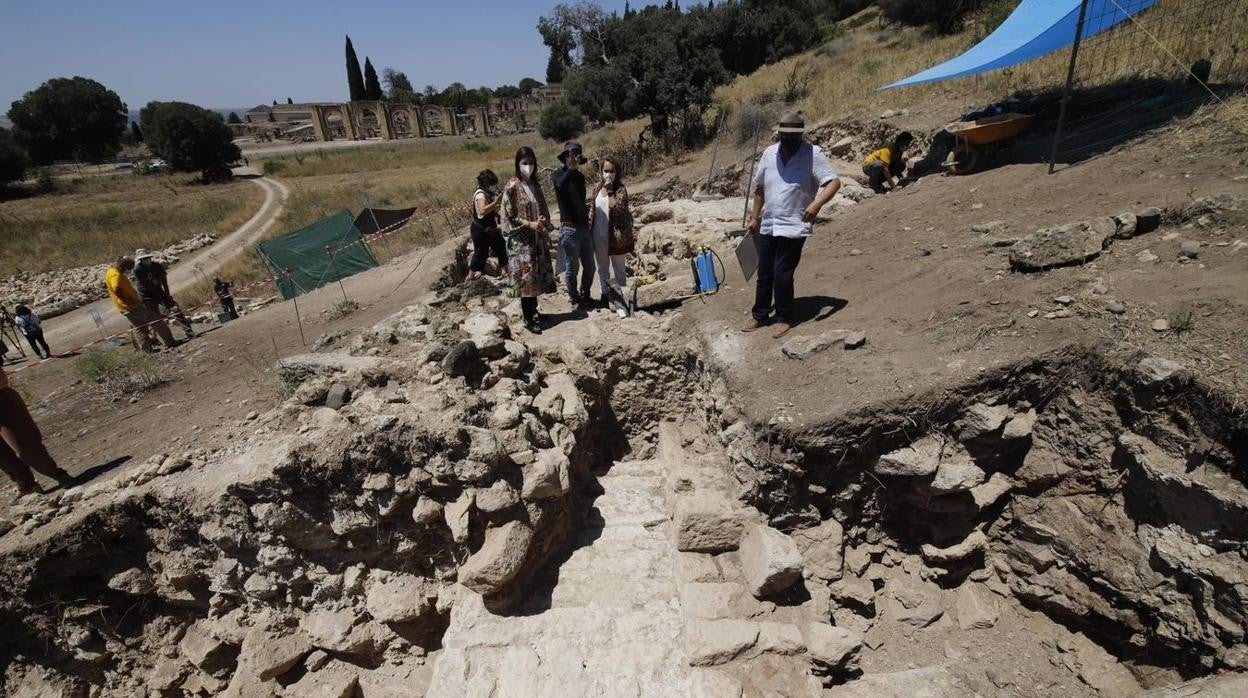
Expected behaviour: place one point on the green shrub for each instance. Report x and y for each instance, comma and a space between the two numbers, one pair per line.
866, 17
944, 16
561, 121
476, 147
272, 167
750, 119
120, 372
342, 309
833, 47
1181, 322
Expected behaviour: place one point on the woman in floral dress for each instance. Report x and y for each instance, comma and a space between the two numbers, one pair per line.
527, 229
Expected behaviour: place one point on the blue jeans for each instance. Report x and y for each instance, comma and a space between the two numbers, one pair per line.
578, 252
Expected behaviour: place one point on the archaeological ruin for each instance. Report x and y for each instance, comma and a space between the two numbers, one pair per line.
370, 120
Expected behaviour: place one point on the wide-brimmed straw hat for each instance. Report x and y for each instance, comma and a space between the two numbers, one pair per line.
792, 121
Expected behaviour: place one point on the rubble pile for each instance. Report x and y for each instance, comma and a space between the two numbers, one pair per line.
444, 453
53, 293
1086, 500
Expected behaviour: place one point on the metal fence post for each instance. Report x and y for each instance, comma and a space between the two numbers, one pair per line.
1070, 81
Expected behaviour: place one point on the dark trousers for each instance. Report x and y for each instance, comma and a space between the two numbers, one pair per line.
21, 444
170, 308
528, 306
36, 342
227, 307
578, 256
486, 242
778, 258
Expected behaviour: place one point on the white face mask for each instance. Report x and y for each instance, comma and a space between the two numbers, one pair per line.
526, 170
608, 177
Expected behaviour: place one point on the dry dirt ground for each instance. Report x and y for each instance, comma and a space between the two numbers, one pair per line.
1059, 544
939, 303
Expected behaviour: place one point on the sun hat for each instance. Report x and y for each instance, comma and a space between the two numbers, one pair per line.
142, 254
792, 121
569, 147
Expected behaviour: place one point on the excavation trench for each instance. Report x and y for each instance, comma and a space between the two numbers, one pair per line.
1105, 493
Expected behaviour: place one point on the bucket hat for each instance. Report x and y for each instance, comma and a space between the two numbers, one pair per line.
569, 147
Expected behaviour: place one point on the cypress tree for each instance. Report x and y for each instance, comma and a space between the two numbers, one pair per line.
355, 78
372, 86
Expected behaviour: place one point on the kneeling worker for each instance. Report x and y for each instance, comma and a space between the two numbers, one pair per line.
887, 164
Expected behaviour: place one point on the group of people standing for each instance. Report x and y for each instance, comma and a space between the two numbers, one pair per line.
514, 225
146, 301
793, 182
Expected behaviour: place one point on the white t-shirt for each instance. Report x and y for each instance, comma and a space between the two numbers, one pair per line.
602, 213
788, 188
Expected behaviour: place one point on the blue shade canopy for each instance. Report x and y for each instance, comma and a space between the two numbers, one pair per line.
1035, 28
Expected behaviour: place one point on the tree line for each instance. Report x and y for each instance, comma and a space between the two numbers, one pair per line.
80, 119
394, 86
664, 62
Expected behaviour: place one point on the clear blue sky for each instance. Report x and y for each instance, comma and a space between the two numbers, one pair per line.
239, 54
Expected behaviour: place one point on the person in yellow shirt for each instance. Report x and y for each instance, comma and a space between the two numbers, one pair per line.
887, 164
130, 305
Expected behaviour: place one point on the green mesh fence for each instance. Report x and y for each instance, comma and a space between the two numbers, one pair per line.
324, 252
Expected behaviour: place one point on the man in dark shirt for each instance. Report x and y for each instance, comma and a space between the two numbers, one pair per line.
223, 288
575, 240
151, 279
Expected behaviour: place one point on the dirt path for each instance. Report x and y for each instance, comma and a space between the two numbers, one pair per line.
77, 327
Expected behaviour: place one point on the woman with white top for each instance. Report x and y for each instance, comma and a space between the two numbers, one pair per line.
611, 222
526, 221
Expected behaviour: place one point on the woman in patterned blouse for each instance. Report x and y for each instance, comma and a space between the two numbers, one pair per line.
526, 221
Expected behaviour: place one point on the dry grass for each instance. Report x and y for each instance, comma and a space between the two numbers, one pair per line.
94, 218
846, 73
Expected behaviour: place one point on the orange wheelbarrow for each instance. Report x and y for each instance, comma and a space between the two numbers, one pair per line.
982, 139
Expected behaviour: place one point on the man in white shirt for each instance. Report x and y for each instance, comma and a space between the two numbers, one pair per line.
793, 183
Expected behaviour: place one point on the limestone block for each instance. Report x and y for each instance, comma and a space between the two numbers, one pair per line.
977, 607
822, 549
1020, 426
427, 511
707, 522
267, 655
201, 648
399, 598
1073, 243
712, 642
499, 559
980, 420
919, 459
458, 515
547, 476
709, 683
972, 544
770, 560
956, 475
709, 600
833, 651
496, 498
780, 638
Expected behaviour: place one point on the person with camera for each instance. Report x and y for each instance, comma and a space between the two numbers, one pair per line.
487, 238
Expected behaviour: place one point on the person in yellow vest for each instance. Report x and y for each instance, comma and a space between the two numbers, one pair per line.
130, 305
887, 164
21, 444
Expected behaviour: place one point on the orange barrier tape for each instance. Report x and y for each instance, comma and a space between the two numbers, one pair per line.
384, 232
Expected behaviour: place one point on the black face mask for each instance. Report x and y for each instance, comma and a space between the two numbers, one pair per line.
789, 143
